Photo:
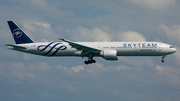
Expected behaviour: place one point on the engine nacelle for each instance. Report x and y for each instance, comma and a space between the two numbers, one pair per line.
109, 54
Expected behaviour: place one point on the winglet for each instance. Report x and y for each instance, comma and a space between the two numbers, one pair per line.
61, 39
64, 40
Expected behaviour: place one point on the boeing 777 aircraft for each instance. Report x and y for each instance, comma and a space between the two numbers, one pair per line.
106, 50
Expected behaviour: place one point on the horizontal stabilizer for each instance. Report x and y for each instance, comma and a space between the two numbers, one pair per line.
16, 46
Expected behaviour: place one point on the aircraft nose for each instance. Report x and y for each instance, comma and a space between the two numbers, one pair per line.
173, 50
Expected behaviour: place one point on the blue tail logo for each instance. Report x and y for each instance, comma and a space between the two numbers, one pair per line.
19, 36
17, 33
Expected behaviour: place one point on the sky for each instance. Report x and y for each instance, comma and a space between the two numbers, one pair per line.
27, 77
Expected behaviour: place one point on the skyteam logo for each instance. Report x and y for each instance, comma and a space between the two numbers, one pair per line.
50, 48
17, 33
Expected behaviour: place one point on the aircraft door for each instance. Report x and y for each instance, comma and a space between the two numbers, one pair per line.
68, 48
160, 48
136, 49
99, 47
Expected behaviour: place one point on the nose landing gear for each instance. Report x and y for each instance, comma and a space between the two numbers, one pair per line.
163, 59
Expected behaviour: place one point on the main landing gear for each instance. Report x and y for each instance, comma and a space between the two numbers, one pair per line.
163, 59
90, 59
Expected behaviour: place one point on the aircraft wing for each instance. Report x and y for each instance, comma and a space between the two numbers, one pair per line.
81, 47
16, 46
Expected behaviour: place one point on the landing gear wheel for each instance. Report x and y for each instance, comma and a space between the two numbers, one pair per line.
93, 61
86, 62
90, 61
162, 61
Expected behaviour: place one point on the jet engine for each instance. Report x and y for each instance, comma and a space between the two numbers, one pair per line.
109, 54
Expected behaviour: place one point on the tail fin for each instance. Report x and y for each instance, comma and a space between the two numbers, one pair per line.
19, 36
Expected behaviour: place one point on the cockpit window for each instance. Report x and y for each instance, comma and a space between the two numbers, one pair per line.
171, 46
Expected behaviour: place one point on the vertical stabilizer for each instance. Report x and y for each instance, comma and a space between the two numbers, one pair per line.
19, 36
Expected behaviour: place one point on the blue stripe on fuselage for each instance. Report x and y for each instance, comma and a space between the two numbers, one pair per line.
59, 49
51, 48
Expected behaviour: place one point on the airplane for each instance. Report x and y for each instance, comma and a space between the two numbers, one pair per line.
106, 50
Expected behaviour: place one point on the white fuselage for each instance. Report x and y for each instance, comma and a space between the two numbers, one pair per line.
122, 48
